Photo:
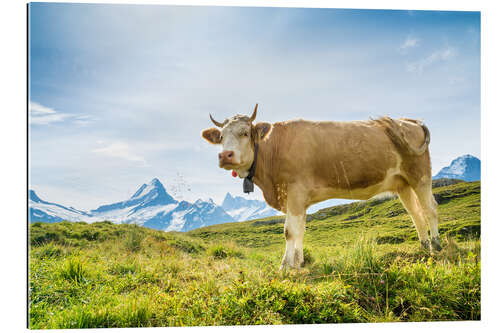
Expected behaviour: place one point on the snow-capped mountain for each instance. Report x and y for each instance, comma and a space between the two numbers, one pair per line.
149, 200
242, 209
189, 216
466, 167
151, 206
40, 210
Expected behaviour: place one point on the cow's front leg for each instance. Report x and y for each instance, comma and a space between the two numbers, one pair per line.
299, 241
294, 236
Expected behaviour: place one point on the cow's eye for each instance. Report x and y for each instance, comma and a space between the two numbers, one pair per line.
244, 134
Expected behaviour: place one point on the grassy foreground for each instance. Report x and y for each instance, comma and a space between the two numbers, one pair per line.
363, 265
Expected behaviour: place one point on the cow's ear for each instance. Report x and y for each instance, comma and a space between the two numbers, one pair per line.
262, 129
212, 135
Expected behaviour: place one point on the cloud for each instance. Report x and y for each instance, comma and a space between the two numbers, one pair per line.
437, 56
119, 150
409, 43
38, 109
43, 115
83, 120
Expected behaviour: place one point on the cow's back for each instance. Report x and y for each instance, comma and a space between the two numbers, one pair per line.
339, 154
330, 158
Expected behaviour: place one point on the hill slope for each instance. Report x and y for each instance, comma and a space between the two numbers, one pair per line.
385, 219
363, 265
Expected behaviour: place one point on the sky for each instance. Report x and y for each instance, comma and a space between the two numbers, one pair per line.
119, 94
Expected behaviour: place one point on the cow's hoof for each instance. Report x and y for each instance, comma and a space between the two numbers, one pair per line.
425, 245
436, 244
298, 260
285, 265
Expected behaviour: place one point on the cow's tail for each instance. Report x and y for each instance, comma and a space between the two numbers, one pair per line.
395, 132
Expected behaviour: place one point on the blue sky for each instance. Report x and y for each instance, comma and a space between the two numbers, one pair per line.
120, 93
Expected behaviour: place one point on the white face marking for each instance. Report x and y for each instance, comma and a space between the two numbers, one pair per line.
236, 137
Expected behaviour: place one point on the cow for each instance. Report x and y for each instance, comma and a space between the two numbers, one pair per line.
298, 163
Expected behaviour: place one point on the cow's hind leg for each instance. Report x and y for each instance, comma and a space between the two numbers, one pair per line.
410, 202
294, 236
429, 208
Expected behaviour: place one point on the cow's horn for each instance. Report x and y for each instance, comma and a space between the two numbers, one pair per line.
254, 114
216, 122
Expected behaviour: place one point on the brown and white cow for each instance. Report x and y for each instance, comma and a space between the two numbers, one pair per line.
300, 163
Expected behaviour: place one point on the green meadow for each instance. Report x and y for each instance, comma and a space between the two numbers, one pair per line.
363, 264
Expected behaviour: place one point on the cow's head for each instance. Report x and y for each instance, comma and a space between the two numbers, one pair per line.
238, 137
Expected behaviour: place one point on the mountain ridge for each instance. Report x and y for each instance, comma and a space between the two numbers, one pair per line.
244, 209
149, 206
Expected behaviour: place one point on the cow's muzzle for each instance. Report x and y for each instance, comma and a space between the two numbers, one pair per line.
226, 158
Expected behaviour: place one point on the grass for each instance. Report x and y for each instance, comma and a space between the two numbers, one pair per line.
134, 239
363, 264
73, 270
221, 251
